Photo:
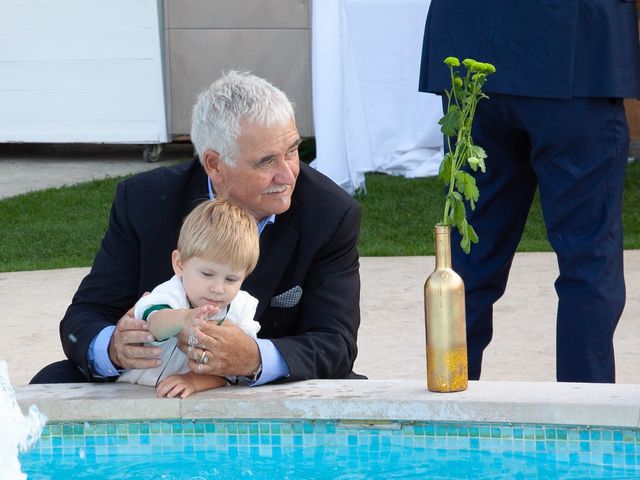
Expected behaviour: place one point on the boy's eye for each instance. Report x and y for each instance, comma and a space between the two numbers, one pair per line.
206, 274
232, 279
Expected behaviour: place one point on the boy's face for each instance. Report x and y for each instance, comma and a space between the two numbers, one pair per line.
207, 282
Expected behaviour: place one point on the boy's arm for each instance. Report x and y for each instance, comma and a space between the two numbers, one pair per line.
167, 322
202, 382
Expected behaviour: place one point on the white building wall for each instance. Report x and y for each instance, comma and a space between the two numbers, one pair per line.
81, 71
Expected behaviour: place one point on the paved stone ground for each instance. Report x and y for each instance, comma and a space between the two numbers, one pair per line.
391, 341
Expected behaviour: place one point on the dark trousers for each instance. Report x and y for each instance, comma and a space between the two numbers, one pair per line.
64, 371
575, 151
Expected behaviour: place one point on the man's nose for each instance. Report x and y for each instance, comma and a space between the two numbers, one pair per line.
284, 175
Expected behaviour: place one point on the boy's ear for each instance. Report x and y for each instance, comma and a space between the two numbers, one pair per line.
176, 261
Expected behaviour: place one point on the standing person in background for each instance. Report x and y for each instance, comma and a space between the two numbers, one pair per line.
555, 121
307, 279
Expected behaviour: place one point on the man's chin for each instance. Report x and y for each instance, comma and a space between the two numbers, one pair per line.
278, 205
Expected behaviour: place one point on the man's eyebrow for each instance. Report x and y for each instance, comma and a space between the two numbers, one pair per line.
265, 159
268, 158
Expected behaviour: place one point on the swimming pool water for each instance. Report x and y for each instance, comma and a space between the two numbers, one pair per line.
280, 449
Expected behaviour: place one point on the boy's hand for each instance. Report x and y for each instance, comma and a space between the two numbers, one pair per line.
184, 385
176, 386
198, 316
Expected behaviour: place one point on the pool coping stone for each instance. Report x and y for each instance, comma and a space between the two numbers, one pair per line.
614, 405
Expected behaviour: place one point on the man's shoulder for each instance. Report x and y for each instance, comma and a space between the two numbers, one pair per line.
316, 190
164, 179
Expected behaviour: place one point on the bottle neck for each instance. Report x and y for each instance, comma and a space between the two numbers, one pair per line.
443, 246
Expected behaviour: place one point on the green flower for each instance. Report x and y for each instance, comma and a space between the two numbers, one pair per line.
489, 68
457, 81
452, 62
469, 63
485, 68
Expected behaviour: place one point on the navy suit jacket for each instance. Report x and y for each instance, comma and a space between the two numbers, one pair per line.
312, 246
545, 48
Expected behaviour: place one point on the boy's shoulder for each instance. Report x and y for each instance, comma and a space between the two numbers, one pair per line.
169, 293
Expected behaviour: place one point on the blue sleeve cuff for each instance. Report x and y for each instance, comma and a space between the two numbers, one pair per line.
273, 365
98, 354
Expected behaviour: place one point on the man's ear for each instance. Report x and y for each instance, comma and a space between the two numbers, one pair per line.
213, 165
176, 261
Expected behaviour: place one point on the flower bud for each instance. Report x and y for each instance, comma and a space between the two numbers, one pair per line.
452, 62
469, 63
489, 68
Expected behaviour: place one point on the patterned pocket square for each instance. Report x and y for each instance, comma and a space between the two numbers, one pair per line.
288, 299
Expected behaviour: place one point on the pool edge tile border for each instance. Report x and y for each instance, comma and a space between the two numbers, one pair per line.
614, 405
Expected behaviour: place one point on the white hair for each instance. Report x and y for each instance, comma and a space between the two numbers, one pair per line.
220, 109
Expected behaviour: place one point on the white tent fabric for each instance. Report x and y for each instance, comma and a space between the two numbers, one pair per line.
368, 113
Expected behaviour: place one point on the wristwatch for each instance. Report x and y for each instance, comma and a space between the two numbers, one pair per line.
255, 375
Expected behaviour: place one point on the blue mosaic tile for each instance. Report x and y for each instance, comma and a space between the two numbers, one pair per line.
598, 446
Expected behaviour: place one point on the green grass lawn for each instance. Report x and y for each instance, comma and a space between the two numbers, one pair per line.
59, 228
398, 215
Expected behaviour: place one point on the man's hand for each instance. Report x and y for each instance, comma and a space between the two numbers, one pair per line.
127, 349
223, 350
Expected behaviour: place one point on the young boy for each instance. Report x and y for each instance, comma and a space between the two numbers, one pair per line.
218, 247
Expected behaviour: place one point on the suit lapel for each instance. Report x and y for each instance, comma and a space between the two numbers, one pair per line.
277, 245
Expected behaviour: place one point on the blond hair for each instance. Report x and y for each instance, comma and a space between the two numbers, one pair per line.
220, 231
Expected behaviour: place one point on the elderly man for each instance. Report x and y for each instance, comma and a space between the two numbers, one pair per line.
307, 278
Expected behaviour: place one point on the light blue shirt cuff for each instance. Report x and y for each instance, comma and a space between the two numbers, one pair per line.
98, 354
273, 365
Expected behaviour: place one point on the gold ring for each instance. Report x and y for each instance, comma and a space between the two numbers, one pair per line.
203, 358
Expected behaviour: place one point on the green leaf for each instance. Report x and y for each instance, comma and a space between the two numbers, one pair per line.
465, 244
466, 184
478, 153
459, 212
473, 236
469, 236
450, 123
445, 168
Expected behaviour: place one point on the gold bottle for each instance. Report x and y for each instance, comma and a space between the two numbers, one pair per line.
445, 321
